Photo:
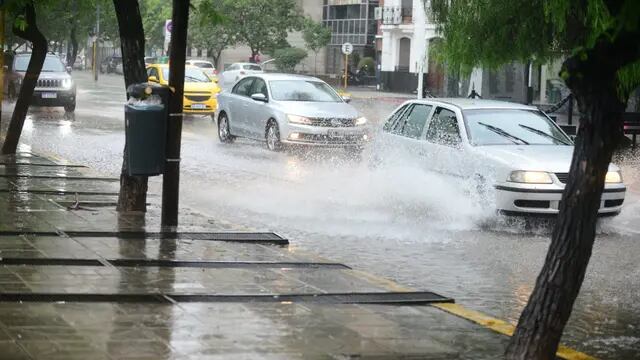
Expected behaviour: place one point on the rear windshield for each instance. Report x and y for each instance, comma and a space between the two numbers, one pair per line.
51, 64
204, 65
252, 67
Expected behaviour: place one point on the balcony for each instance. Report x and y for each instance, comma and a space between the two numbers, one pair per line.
396, 15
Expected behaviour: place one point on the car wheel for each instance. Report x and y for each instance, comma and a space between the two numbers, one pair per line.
272, 136
70, 107
224, 134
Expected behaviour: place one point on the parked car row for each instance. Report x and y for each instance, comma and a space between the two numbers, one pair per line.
511, 153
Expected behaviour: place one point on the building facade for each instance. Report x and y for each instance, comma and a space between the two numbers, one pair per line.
351, 21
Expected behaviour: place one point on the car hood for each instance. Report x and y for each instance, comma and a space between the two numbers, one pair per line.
318, 109
550, 158
201, 87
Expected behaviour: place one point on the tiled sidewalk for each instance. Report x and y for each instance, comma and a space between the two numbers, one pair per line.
39, 257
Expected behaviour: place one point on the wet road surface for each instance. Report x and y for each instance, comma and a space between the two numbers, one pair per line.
397, 221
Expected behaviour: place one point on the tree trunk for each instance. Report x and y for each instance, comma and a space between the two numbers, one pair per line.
38, 54
133, 189
72, 47
171, 178
593, 81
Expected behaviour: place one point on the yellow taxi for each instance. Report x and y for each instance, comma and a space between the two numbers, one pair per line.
200, 92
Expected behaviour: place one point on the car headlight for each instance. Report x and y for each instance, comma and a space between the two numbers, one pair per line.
613, 177
296, 119
66, 83
361, 120
530, 177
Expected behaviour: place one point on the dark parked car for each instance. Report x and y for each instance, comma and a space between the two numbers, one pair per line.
110, 64
55, 85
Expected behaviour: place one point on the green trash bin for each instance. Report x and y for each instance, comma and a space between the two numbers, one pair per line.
146, 133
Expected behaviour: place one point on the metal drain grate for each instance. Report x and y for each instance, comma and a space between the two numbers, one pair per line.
241, 237
385, 298
171, 263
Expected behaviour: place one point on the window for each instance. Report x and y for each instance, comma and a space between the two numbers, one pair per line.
259, 87
392, 124
443, 128
252, 67
242, 88
512, 127
414, 124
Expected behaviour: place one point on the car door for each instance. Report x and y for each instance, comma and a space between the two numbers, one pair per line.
443, 145
257, 111
239, 106
406, 132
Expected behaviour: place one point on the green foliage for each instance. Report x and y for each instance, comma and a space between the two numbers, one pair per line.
315, 35
154, 14
491, 33
263, 24
210, 29
286, 59
368, 64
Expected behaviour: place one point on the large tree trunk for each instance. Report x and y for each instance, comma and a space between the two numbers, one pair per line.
593, 80
133, 189
177, 58
38, 54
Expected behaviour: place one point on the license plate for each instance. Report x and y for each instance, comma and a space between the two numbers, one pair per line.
336, 134
198, 106
49, 95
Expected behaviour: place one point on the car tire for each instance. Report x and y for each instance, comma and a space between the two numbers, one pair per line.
272, 136
71, 107
224, 133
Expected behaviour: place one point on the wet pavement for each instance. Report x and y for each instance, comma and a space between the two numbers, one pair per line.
399, 221
70, 294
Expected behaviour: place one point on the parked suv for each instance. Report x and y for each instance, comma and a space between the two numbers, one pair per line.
55, 85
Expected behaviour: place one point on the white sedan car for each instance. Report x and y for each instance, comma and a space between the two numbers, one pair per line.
290, 109
237, 71
509, 151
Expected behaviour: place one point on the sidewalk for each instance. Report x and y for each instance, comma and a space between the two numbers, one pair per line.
90, 284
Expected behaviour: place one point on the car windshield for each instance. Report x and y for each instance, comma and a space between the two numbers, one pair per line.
302, 90
51, 64
252, 67
204, 65
191, 75
512, 126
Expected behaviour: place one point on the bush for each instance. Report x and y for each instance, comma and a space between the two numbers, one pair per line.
286, 59
368, 64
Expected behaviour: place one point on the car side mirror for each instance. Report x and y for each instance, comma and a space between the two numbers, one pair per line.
259, 97
5, 68
153, 79
346, 99
69, 69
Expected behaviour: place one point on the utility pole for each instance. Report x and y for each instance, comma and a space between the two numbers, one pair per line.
96, 63
177, 58
2, 11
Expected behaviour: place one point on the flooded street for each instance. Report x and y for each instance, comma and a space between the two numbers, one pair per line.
395, 220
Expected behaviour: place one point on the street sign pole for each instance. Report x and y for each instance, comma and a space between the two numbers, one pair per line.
346, 73
96, 63
347, 49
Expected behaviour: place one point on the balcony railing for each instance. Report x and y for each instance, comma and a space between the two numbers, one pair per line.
395, 15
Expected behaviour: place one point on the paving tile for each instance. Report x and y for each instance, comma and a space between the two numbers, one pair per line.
10, 350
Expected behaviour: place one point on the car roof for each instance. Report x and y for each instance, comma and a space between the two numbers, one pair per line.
162, 66
245, 63
278, 76
473, 104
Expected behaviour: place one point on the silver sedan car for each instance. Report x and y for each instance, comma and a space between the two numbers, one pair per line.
289, 109
512, 154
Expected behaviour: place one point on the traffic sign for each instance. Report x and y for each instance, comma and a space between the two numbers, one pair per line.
347, 48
